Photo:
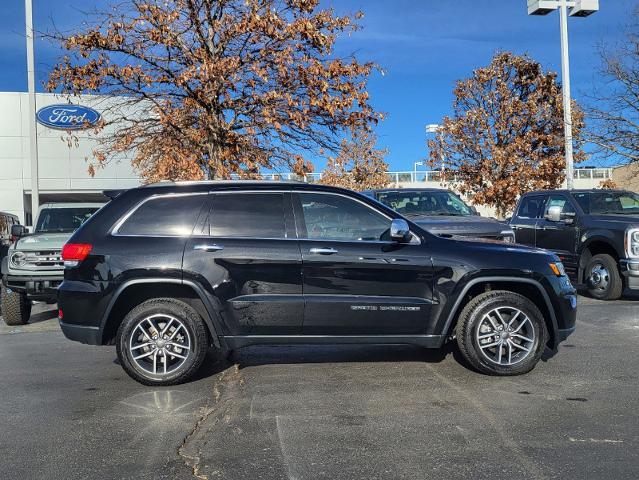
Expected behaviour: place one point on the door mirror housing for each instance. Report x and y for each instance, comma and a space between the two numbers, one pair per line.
475, 212
18, 231
554, 214
400, 231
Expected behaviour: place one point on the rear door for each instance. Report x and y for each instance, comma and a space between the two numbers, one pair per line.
247, 257
356, 281
560, 237
524, 222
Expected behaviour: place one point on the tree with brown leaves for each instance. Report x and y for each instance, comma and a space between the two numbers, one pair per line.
359, 164
210, 88
506, 134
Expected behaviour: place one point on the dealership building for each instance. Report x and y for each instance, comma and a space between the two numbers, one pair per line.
63, 161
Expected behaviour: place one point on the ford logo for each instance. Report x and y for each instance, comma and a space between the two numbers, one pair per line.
67, 116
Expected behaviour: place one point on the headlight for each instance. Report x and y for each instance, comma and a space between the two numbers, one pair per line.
558, 269
18, 259
632, 242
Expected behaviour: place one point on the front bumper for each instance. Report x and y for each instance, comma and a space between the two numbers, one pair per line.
40, 288
630, 269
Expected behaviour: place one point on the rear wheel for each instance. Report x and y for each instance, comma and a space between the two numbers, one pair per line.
501, 333
162, 341
603, 278
16, 308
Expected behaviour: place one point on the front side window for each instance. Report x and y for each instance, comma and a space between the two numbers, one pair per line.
424, 203
247, 215
63, 219
334, 217
530, 207
559, 201
167, 215
604, 203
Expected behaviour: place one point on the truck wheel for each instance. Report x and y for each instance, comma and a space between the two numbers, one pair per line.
603, 278
16, 309
501, 333
162, 341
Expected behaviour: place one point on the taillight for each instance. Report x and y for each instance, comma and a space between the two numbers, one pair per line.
74, 253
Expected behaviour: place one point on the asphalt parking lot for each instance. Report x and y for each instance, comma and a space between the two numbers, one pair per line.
69, 411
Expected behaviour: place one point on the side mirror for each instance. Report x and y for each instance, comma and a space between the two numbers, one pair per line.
400, 231
18, 231
554, 214
475, 212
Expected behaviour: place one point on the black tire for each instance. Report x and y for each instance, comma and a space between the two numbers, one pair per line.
16, 308
197, 334
603, 278
469, 324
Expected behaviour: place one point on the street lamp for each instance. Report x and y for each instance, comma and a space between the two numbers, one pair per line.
32, 145
578, 8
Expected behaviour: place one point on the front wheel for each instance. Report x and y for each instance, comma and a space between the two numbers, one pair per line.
162, 341
501, 333
603, 278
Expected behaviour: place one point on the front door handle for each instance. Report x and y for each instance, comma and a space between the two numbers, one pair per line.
323, 251
206, 247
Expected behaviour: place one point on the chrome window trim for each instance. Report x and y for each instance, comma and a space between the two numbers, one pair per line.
115, 229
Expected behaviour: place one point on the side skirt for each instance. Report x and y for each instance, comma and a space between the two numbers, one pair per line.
427, 341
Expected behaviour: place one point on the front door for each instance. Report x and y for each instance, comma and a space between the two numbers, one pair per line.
524, 222
356, 281
247, 256
560, 237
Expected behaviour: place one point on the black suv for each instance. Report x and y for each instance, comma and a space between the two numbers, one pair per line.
169, 270
442, 213
594, 232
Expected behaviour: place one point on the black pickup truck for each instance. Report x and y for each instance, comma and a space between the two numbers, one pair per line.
594, 232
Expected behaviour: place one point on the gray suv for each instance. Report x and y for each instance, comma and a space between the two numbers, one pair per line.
33, 267
442, 213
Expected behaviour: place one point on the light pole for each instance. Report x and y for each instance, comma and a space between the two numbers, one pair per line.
32, 149
435, 128
415, 170
578, 8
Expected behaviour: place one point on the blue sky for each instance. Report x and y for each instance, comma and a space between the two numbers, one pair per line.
424, 46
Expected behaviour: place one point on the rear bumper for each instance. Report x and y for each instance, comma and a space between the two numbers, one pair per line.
81, 333
630, 269
42, 288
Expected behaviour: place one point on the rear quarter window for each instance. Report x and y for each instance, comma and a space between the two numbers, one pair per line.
169, 215
530, 207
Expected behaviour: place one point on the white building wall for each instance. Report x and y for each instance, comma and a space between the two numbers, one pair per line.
63, 170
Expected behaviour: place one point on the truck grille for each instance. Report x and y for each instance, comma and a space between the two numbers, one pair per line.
44, 260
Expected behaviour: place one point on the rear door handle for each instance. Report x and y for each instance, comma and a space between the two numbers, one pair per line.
323, 251
208, 247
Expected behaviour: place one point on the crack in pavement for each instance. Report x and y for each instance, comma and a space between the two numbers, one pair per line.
192, 458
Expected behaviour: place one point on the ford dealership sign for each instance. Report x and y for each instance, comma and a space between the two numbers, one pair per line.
67, 116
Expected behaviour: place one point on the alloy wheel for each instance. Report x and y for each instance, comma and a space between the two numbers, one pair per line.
160, 344
505, 336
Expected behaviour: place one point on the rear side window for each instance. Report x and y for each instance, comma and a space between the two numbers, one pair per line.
247, 215
530, 207
172, 215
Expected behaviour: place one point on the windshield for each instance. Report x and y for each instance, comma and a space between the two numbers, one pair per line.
413, 204
63, 219
602, 203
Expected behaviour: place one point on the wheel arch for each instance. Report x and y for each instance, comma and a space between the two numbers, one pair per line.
528, 287
134, 292
596, 245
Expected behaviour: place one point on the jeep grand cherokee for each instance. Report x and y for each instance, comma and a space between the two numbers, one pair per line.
167, 271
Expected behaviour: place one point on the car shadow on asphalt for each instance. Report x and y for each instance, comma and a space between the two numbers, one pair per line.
299, 354
43, 316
